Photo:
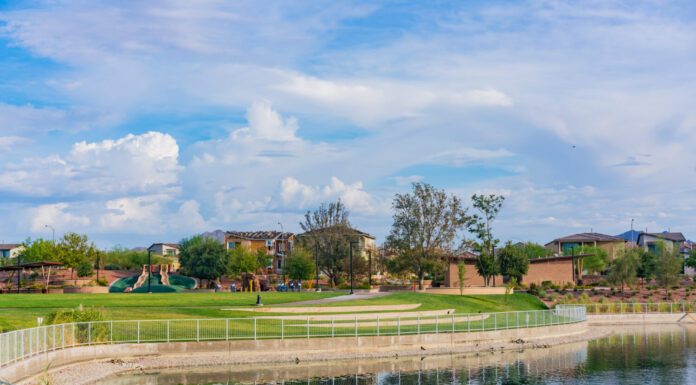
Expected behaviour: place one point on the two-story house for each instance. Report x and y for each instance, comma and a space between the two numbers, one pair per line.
365, 246
577, 243
274, 242
10, 250
650, 241
166, 249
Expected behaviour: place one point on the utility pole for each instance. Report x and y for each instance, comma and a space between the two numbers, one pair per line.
351, 265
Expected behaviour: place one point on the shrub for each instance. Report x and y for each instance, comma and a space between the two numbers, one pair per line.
553, 296
101, 282
112, 266
546, 284
568, 285
584, 296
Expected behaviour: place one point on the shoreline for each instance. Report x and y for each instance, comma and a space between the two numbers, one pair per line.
88, 372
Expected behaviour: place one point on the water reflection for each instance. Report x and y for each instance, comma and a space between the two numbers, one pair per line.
635, 355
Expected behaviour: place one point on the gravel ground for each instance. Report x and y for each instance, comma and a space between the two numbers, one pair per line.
95, 371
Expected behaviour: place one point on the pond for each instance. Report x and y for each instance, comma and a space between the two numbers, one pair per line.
650, 354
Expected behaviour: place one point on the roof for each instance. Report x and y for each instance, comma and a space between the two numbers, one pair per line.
258, 235
9, 246
174, 245
587, 237
356, 231
674, 237
30, 265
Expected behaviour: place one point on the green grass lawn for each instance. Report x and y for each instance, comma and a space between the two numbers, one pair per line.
21, 311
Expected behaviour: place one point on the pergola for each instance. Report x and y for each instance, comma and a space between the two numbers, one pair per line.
45, 273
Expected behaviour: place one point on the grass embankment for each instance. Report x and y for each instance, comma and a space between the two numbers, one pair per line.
21, 311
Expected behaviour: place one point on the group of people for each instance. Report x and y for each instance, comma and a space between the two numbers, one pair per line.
291, 285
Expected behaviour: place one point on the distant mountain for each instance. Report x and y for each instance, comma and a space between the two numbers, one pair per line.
217, 235
140, 248
630, 235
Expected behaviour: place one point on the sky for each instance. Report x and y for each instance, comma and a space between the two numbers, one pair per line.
141, 122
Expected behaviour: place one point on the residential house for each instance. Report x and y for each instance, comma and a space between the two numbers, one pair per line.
365, 246
650, 241
686, 250
575, 243
557, 269
10, 250
274, 242
165, 249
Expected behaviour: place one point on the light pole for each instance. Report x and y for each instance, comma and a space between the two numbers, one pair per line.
351, 265
316, 257
282, 253
53, 232
149, 270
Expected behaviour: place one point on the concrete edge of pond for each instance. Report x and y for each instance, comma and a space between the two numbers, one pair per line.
88, 364
640, 318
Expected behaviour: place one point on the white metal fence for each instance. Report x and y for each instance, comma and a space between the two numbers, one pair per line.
623, 308
20, 344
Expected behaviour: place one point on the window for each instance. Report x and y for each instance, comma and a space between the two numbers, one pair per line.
568, 248
230, 245
652, 248
269, 243
5, 253
280, 264
290, 245
171, 252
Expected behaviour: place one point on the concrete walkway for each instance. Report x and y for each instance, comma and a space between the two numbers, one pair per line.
343, 298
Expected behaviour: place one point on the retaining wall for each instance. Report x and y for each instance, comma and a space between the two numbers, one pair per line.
255, 350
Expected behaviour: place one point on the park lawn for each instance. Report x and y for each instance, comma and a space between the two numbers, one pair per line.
25, 308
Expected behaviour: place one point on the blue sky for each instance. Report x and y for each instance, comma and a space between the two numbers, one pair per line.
140, 122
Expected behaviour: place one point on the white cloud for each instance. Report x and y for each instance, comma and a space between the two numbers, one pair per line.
56, 215
27, 120
300, 196
132, 164
267, 124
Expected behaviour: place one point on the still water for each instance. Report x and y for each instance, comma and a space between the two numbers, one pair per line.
650, 354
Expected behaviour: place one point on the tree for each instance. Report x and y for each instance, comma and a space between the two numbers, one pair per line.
461, 274
594, 264
669, 266
243, 260
512, 263
623, 270
426, 222
533, 250
328, 229
480, 224
73, 251
510, 288
263, 259
690, 261
647, 264
300, 265
203, 259
38, 250
127, 259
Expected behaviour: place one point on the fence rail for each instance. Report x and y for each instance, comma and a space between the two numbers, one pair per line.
21, 344
629, 308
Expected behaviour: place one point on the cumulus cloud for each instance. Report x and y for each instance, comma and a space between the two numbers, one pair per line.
301, 196
132, 164
56, 215
27, 120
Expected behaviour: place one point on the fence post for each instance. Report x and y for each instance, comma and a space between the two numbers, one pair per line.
356, 325
518, 320
227, 329
169, 337
670, 307
507, 324
111, 332
138, 331
282, 328
495, 321
452, 322
378, 325
254, 328
398, 326
89, 333
198, 330
437, 318
332, 327
307, 326
418, 332
54, 337
468, 323
73, 333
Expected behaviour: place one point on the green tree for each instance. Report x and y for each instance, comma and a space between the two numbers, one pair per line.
512, 263
594, 264
243, 260
73, 250
300, 265
623, 269
426, 222
690, 261
481, 225
509, 288
38, 250
461, 274
329, 229
263, 259
533, 250
647, 265
669, 266
203, 258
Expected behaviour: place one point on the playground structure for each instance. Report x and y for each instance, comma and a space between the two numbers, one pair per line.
163, 270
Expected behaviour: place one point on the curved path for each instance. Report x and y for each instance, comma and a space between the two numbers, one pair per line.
343, 298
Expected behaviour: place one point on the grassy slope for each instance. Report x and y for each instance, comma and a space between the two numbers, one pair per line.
26, 307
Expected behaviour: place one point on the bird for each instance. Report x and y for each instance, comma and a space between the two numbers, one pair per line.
297, 360
422, 348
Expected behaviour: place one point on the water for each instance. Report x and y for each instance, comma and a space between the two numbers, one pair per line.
650, 354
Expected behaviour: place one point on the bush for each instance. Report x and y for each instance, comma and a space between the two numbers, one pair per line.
101, 282
112, 266
546, 284
553, 296
568, 285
